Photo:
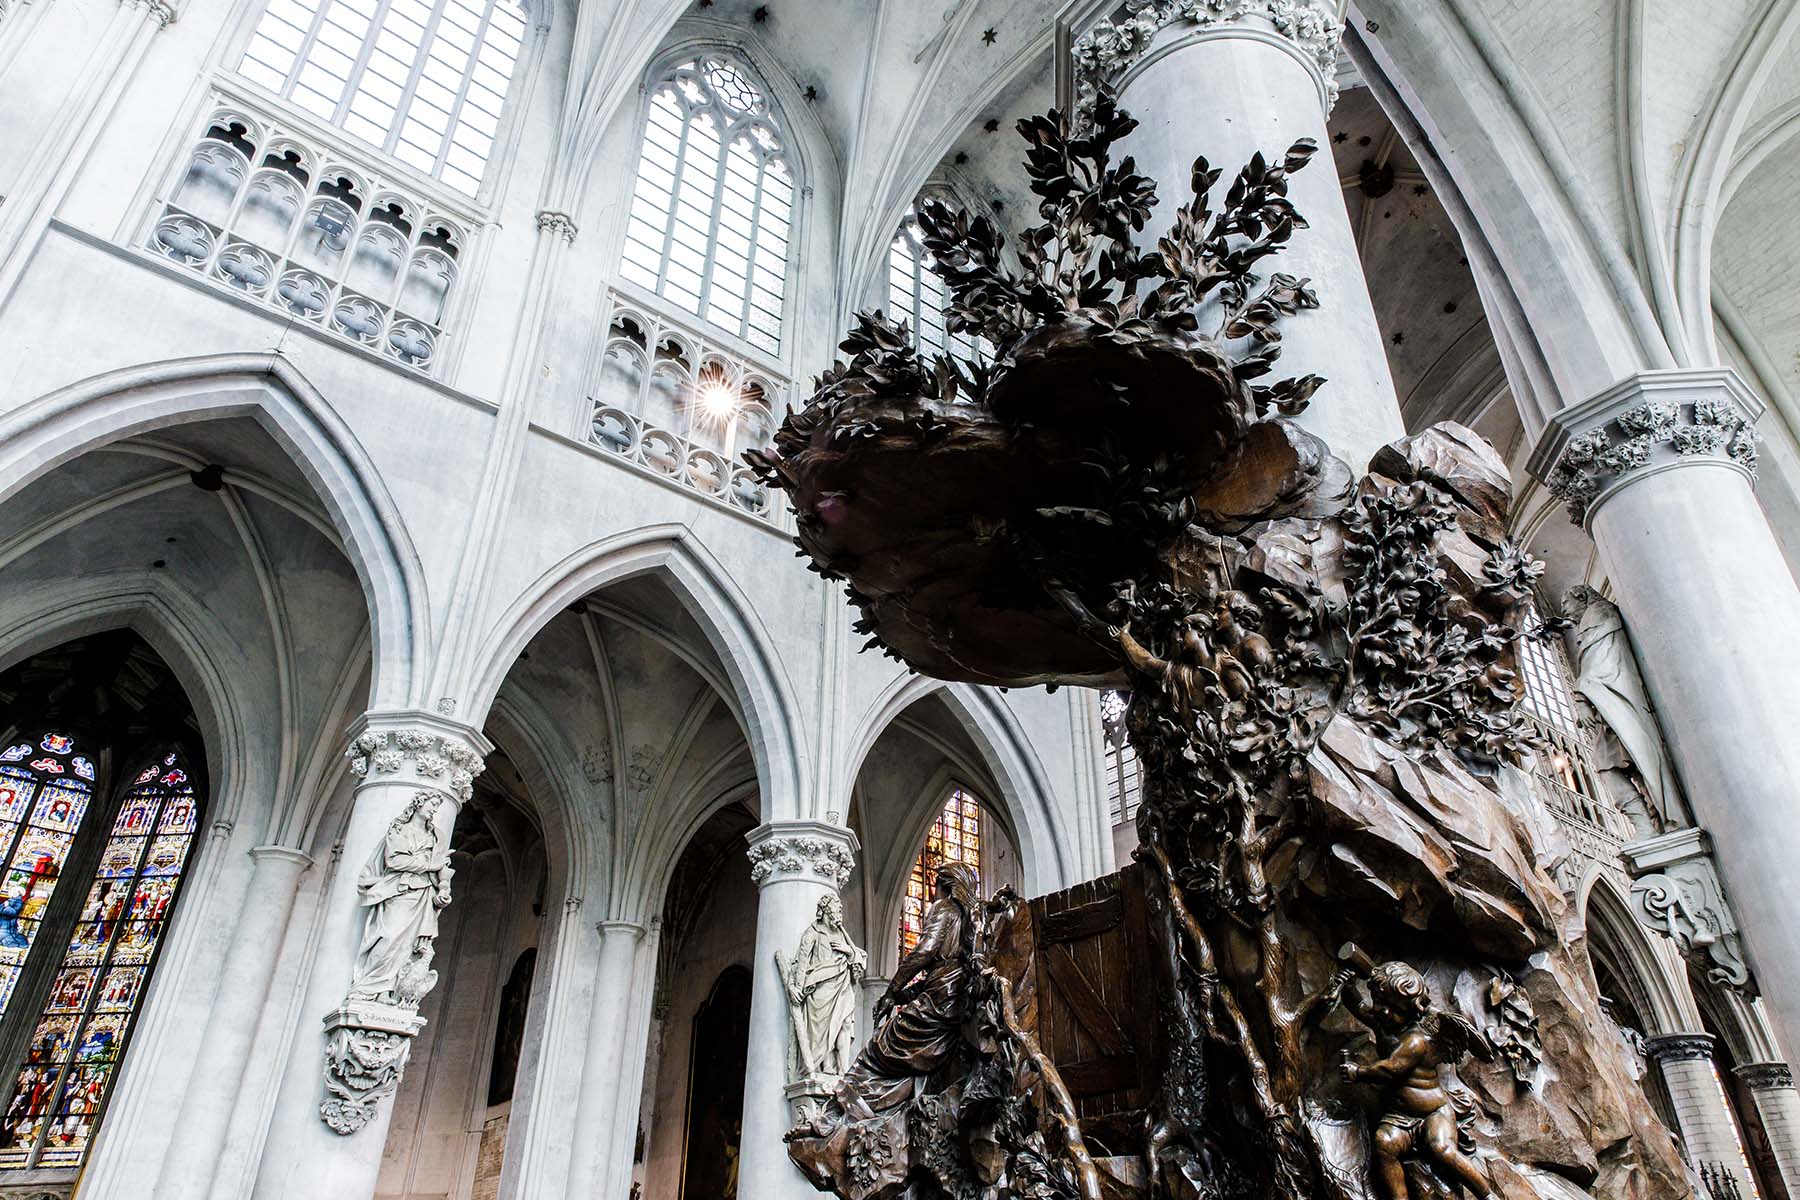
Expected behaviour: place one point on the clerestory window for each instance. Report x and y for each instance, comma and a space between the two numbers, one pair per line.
422, 80
917, 294
713, 203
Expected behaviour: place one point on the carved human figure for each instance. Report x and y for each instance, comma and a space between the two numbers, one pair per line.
1421, 1117
1607, 676
919, 1019
404, 885
821, 985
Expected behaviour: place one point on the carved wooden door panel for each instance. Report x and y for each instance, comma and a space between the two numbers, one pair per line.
1096, 1003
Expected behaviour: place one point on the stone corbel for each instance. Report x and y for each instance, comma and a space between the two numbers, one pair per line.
366, 1048
1676, 892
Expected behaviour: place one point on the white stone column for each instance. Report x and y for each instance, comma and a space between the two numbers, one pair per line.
331, 1117
237, 1008
1255, 77
1708, 1130
793, 863
604, 1088
1772, 1085
1659, 470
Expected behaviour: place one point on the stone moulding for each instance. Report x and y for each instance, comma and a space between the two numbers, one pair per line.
1109, 39
1676, 892
1680, 1047
1652, 422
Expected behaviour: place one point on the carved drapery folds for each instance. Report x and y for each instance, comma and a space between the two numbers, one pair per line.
400, 890
822, 981
1103, 50
1676, 892
1655, 421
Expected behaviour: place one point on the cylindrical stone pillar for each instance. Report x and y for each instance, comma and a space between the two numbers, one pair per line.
331, 1116
1258, 78
794, 864
605, 1085
206, 1111
1659, 470
1772, 1085
1708, 1130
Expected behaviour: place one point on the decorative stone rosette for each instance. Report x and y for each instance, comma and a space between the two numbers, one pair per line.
441, 760
1112, 44
1651, 434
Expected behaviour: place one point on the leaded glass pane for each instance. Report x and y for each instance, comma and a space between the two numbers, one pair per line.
955, 836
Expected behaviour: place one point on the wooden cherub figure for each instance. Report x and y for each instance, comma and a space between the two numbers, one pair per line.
1421, 1117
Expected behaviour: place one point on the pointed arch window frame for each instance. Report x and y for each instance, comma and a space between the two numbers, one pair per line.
777, 352
110, 793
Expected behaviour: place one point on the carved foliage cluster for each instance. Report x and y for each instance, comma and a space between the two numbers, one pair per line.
818, 858
445, 761
1657, 430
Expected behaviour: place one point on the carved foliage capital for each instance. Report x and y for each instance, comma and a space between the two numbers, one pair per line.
1680, 1047
1110, 45
439, 760
1656, 421
558, 224
1767, 1076
811, 852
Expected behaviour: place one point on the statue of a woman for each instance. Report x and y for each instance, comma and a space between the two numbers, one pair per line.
919, 1021
406, 882
1606, 675
821, 983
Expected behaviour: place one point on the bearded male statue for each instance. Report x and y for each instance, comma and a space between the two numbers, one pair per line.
821, 986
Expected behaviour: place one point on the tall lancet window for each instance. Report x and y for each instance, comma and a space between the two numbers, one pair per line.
954, 836
423, 80
917, 293
713, 204
88, 974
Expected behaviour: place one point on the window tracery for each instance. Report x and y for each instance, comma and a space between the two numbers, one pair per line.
954, 836
712, 206
917, 294
265, 213
59, 1090
422, 80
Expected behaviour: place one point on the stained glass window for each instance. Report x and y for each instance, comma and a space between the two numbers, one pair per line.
713, 202
955, 836
45, 789
423, 80
917, 293
79, 1039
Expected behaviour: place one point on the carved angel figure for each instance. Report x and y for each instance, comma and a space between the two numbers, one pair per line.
1421, 1118
821, 986
403, 886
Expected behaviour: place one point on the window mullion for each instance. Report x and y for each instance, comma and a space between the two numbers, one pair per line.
404, 105
376, 22
468, 79
712, 233
303, 55
675, 191
750, 259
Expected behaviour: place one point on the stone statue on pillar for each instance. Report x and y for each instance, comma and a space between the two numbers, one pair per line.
404, 886
1607, 677
822, 982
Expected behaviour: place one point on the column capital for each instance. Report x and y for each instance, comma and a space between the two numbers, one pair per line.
630, 929
1101, 41
1676, 892
1680, 1047
417, 747
160, 11
298, 859
807, 850
1652, 422
559, 224
1765, 1076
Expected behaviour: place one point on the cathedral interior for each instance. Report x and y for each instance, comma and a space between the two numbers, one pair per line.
428, 771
